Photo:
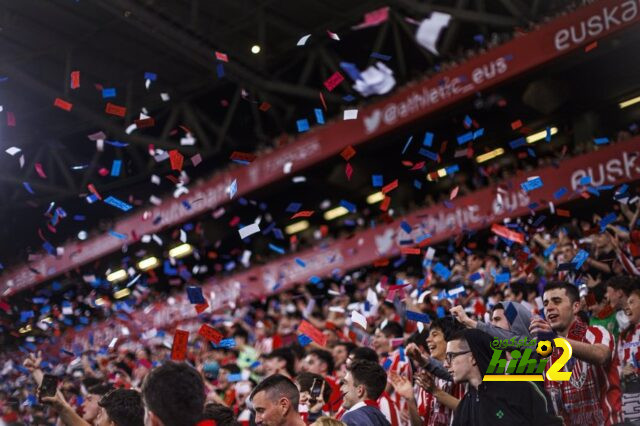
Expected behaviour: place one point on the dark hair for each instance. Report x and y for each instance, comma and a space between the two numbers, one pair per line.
497, 306
364, 353
519, 287
88, 382
349, 346
392, 329
371, 375
277, 386
459, 335
305, 382
598, 292
100, 389
175, 393
621, 282
221, 414
285, 354
231, 368
570, 289
324, 356
447, 324
124, 407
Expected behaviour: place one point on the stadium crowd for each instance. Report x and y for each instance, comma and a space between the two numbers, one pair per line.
395, 345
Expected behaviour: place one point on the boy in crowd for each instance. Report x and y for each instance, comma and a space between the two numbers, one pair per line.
629, 356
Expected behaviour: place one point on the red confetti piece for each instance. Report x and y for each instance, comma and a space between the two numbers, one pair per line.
381, 263
75, 79
40, 171
176, 159
418, 166
349, 171
507, 233
242, 156
384, 205
103, 172
94, 191
563, 213
324, 104
210, 333
116, 110
303, 213
333, 81
454, 193
348, 152
409, 250
179, 347
390, 187
11, 119
200, 308
516, 125
62, 104
316, 335
222, 57
145, 122
265, 106
589, 47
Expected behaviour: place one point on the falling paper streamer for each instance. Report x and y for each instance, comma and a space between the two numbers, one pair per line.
12, 151
303, 40
430, 29
333, 35
248, 230
40, 171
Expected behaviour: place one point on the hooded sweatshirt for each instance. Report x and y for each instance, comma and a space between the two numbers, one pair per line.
500, 403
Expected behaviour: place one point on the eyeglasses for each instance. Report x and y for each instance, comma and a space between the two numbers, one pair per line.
451, 355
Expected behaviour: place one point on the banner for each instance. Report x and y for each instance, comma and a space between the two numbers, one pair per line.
606, 168
413, 102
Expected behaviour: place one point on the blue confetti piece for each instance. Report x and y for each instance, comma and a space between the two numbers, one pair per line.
319, 116
405, 227
117, 144
531, 184
115, 168
601, 141
150, 76
417, 184
275, 248
441, 312
421, 238
277, 232
387, 364
511, 313
608, 219
195, 295
503, 278
475, 276
452, 169
380, 56
376, 181
580, 258
539, 221
348, 98
351, 70
428, 139
560, 192
467, 121
117, 235
233, 188
429, 154
301, 262
464, 138
293, 207
113, 201
406, 145
548, 136
108, 93
186, 205
315, 280
226, 343
168, 269
399, 262
417, 316
442, 271
231, 378
478, 38
349, 206
531, 152
79, 218
220, 70
303, 125
478, 133
517, 143
585, 180
593, 191
49, 248
28, 187
255, 365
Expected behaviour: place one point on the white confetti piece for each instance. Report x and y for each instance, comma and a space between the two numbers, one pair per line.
303, 40
155, 179
350, 114
287, 167
165, 97
13, 150
333, 35
359, 319
248, 230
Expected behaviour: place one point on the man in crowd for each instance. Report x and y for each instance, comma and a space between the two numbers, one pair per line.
173, 395
618, 290
121, 407
629, 356
275, 402
362, 386
281, 361
491, 403
319, 361
592, 395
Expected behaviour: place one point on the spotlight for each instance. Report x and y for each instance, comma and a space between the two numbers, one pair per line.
82, 235
335, 212
122, 293
181, 251
255, 49
148, 263
116, 276
296, 227
376, 197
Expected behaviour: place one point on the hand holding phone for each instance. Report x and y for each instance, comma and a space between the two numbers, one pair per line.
48, 387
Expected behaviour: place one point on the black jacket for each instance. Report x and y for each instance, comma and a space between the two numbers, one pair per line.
366, 415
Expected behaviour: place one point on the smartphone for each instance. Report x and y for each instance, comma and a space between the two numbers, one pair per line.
48, 387
316, 388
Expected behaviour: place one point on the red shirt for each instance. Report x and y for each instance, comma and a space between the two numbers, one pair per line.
592, 396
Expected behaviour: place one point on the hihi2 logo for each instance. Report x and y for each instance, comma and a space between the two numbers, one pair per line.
522, 367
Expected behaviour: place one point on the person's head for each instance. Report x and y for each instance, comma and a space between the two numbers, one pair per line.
439, 331
362, 353
340, 352
327, 421
174, 395
224, 372
474, 262
468, 356
318, 361
280, 361
275, 400
121, 407
618, 289
382, 337
306, 381
597, 294
221, 414
566, 252
632, 308
498, 318
561, 302
364, 380
90, 407
516, 292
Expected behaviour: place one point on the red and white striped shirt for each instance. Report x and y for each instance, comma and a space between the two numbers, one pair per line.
402, 367
434, 413
629, 348
592, 396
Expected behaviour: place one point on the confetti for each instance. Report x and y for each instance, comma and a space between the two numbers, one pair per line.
179, 346
12, 151
176, 159
531, 184
28, 187
333, 81
195, 295
116, 110
454, 193
62, 104
350, 114
428, 139
75, 79
303, 40
348, 152
601, 141
380, 56
222, 57
210, 333
108, 93
248, 230
40, 171
115, 168
303, 125
113, 201
334, 36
